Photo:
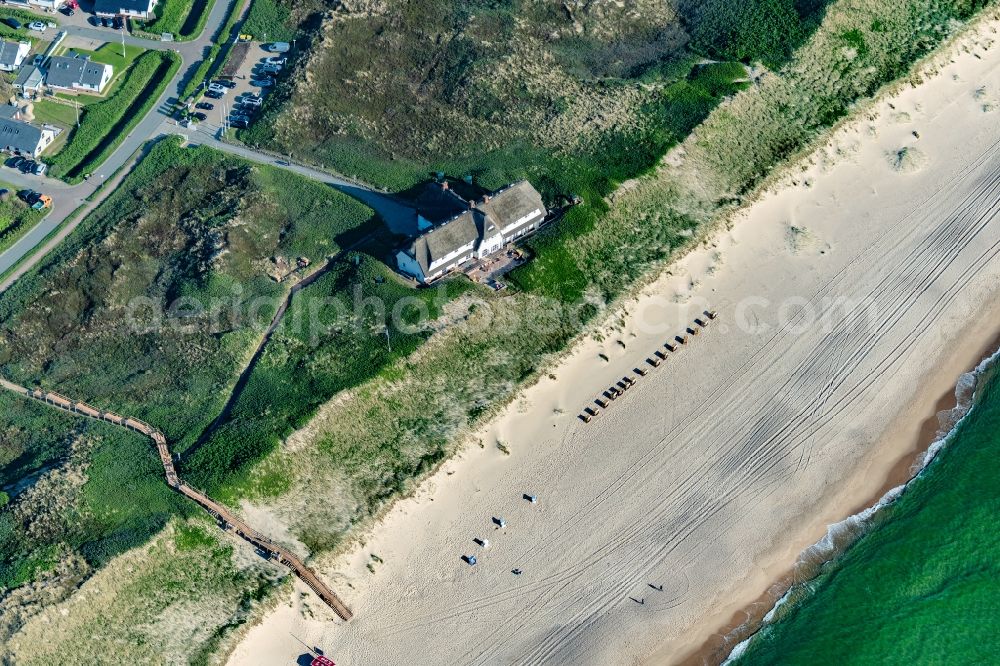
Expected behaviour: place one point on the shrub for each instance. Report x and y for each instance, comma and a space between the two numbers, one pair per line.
106, 124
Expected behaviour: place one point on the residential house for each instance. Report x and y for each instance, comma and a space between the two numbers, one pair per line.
140, 9
469, 230
30, 81
51, 5
12, 54
77, 74
21, 137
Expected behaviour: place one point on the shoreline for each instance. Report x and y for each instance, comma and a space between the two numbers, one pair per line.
694, 454
750, 619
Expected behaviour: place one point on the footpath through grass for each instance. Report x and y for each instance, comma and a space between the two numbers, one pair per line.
104, 125
922, 586
377, 440
112, 316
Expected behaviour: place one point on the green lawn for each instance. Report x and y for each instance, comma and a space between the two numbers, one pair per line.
107, 121
25, 17
55, 113
111, 54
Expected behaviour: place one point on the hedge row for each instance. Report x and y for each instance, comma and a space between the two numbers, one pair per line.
105, 125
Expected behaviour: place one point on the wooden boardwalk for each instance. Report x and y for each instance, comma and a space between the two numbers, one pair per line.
227, 519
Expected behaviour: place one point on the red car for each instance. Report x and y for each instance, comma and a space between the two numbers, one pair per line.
322, 661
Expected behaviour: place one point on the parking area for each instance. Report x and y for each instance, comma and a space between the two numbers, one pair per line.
241, 92
82, 16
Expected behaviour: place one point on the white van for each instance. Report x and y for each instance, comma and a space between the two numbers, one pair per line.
279, 47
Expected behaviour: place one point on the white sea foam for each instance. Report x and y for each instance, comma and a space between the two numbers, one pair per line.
840, 535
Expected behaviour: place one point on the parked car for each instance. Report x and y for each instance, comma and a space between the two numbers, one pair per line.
264, 82
242, 124
199, 116
95, 20
13, 23
226, 83
15, 162
251, 100
117, 23
270, 69
67, 10
37, 25
212, 94
40, 168
279, 47
28, 166
208, 106
107, 22
275, 60
217, 88
236, 115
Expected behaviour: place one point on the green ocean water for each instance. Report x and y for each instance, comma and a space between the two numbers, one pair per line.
922, 586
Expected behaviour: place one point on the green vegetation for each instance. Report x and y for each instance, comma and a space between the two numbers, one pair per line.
106, 123
16, 218
915, 588
24, 17
113, 54
178, 596
384, 434
481, 88
185, 19
220, 45
105, 495
188, 224
55, 113
751, 31
269, 21
323, 348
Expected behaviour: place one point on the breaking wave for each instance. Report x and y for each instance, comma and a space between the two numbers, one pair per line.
841, 535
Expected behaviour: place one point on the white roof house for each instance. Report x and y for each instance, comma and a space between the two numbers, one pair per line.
77, 74
20, 136
473, 230
30, 81
142, 9
12, 54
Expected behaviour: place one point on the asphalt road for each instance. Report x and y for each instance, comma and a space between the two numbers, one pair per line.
68, 198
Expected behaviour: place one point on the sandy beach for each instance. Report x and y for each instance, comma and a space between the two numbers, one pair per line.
850, 299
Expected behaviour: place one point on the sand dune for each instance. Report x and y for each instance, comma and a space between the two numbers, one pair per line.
849, 299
